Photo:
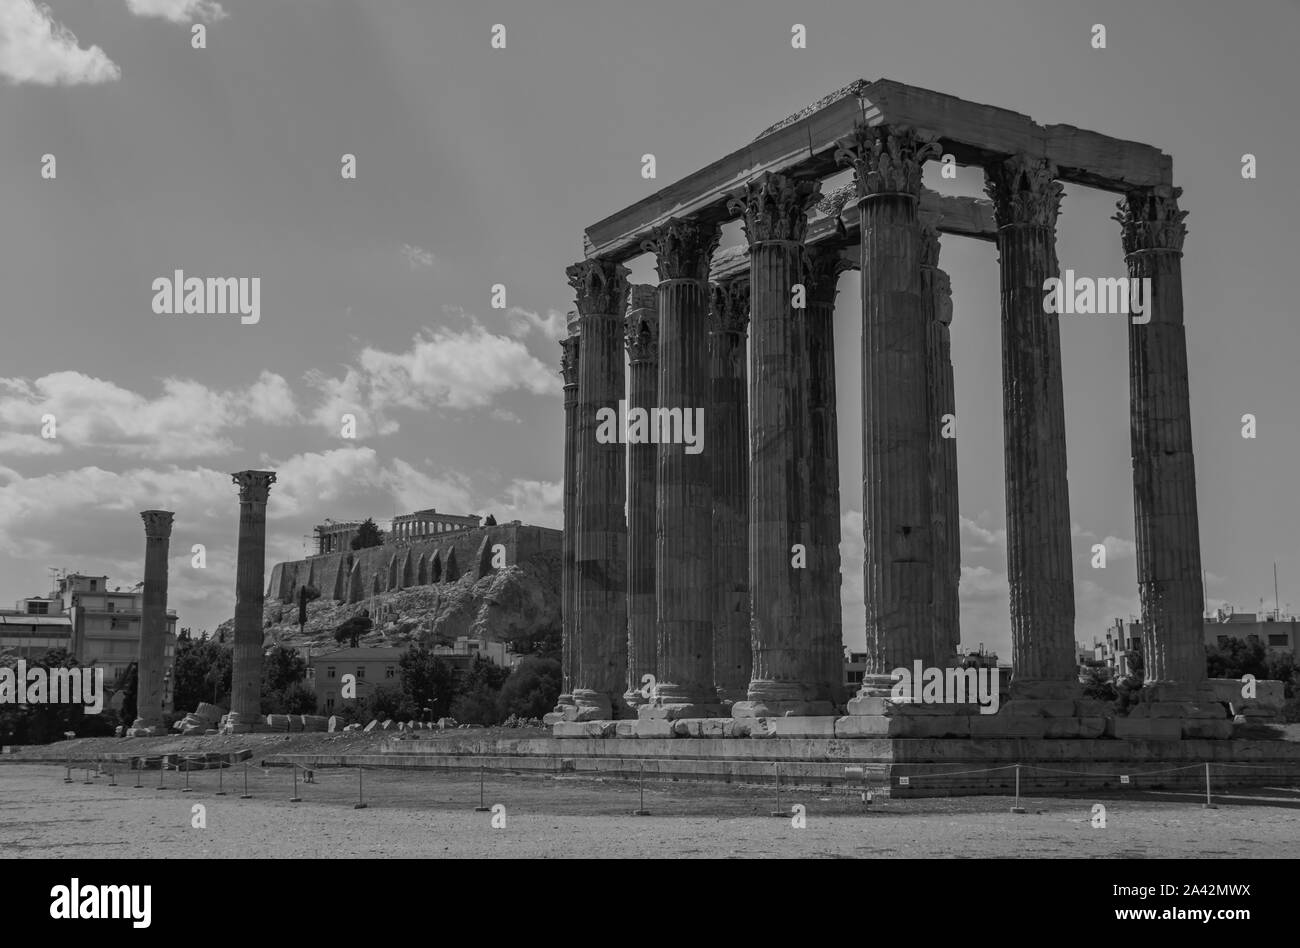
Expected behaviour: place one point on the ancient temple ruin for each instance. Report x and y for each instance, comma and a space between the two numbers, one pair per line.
716, 596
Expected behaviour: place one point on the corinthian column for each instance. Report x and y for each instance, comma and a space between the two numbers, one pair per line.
250, 569
822, 270
683, 551
1164, 472
151, 664
941, 405
642, 340
786, 562
899, 556
568, 605
600, 551
727, 427
1026, 200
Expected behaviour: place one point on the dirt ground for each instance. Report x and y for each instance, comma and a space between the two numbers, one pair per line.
431, 814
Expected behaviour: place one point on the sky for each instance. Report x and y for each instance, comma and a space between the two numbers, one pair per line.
478, 166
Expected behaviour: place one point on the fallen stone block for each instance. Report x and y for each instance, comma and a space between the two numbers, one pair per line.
702, 727
648, 728
589, 729
802, 726
314, 723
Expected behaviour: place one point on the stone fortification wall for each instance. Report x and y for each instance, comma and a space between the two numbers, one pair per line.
401, 564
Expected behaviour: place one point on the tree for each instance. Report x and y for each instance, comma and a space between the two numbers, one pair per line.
368, 535
352, 629
298, 698
387, 702
281, 668
201, 672
491, 521
532, 688
426, 681
479, 694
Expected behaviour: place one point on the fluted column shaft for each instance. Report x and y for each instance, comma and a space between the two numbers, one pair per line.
600, 551
642, 340
940, 402
1039, 569
569, 370
250, 571
151, 663
1164, 472
899, 542
683, 549
786, 562
728, 440
821, 275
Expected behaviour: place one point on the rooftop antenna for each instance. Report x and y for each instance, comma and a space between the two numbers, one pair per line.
1277, 605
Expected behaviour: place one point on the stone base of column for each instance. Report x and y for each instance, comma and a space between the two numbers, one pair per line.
729, 696
562, 704
873, 686
1195, 712
237, 723
779, 699
590, 706
632, 700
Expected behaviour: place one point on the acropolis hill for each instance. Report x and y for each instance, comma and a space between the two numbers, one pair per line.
499, 582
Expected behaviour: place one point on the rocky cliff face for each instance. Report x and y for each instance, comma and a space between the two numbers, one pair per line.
502, 605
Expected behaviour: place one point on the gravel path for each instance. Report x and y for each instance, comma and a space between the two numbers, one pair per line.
431, 814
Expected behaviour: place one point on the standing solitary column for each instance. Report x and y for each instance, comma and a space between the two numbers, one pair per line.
600, 550
568, 606
1164, 472
786, 561
683, 551
822, 269
250, 570
899, 537
642, 340
1026, 200
727, 427
942, 408
150, 666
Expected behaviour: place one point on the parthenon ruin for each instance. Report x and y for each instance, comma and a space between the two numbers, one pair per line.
717, 594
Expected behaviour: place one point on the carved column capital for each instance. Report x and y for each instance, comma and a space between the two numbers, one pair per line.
157, 523
254, 486
600, 285
775, 207
729, 306
1024, 190
822, 268
1149, 219
641, 326
683, 248
573, 323
885, 159
569, 361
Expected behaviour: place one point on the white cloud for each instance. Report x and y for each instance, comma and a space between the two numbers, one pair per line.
179, 11
975, 538
554, 325
444, 368
187, 420
417, 257
35, 48
1117, 548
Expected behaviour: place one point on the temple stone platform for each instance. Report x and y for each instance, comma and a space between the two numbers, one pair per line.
896, 766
